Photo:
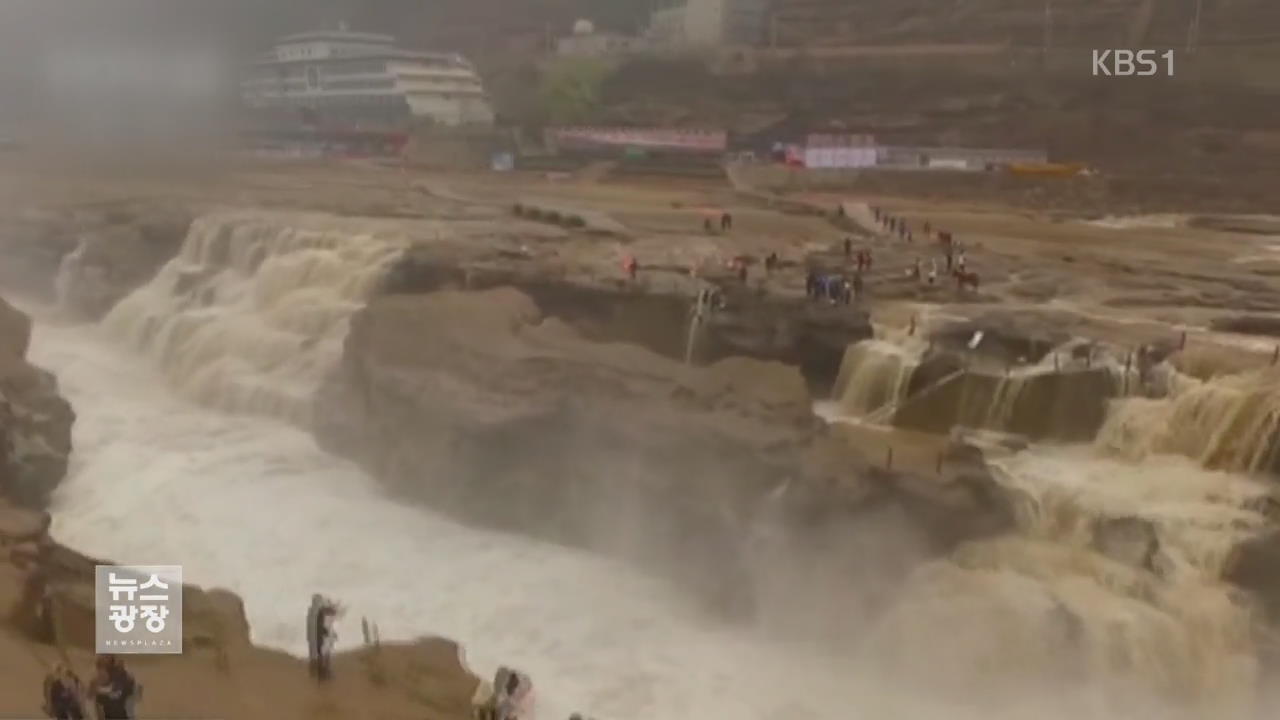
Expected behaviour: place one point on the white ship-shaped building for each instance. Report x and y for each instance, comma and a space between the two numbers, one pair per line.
359, 80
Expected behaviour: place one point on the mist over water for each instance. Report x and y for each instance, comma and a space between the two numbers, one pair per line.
193, 398
254, 506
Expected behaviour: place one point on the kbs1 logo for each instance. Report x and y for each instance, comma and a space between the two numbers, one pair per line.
1132, 63
138, 609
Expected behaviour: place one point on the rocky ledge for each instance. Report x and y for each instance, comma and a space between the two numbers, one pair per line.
483, 405
35, 421
220, 673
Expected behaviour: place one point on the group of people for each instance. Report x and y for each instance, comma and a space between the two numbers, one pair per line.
726, 223
510, 699
895, 225
113, 695
832, 287
952, 251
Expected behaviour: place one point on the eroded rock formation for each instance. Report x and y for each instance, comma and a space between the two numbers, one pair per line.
479, 404
580, 283
35, 421
90, 256
1068, 405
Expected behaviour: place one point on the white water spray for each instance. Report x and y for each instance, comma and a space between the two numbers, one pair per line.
251, 316
253, 311
252, 505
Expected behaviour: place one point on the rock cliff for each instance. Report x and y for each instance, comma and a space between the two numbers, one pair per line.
35, 421
480, 404
579, 281
90, 256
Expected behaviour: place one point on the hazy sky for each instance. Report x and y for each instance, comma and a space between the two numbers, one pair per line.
130, 31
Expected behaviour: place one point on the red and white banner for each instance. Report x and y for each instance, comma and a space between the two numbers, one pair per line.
840, 151
844, 140
689, 140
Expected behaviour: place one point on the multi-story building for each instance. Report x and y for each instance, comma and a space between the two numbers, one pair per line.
705, 24
586, 41
363, 81
812, 22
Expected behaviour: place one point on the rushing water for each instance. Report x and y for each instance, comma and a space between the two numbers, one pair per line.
254, 506
246, 320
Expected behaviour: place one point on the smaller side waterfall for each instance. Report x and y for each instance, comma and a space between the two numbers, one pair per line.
1227, 423
874, 374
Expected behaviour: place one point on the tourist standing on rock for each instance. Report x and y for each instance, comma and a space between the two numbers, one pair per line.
846, 290
706, 225
848, 247
313, 633
960, 261
115, 692
327, 617
726, 222
320, 635
630, 267
933, 272
810, 284
62, 693
770, 263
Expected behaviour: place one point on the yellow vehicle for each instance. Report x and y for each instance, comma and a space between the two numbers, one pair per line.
1049, 169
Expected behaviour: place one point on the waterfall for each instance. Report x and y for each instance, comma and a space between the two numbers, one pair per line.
1229, 423
701, 306
253, 311
999, 413
1045, 612
873, 374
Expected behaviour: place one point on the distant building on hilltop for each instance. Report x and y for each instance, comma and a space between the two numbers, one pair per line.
363, 81
586, 41
795, 23
708, 24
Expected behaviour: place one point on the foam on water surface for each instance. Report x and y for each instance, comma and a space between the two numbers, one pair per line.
252, 505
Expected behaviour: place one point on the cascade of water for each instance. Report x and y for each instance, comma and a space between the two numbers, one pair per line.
701, 306
999, 413
874, 374
1228, 423
67, 271
253, 311
1066, 621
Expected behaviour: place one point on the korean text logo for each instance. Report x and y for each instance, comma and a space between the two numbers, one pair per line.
138, 609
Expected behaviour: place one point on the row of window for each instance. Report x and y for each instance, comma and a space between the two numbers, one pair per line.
363, 67
359, 84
